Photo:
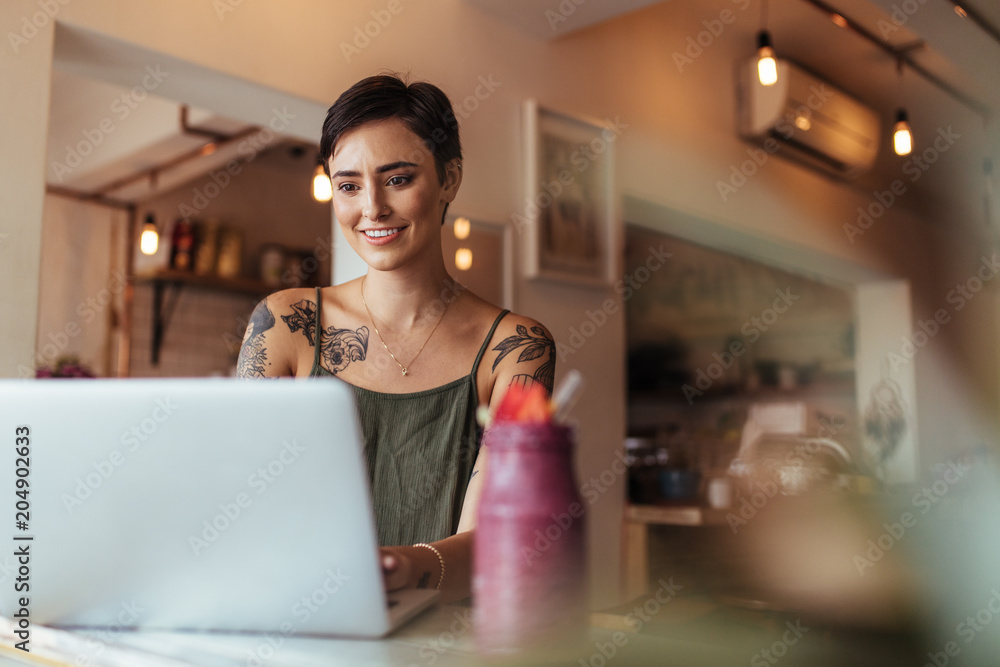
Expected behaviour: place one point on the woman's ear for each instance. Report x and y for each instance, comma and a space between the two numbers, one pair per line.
452, 179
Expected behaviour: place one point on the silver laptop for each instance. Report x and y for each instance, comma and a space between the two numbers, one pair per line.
202, 504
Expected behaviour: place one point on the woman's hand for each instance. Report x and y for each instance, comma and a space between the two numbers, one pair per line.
396, 567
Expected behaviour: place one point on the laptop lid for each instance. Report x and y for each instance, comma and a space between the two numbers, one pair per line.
207, 504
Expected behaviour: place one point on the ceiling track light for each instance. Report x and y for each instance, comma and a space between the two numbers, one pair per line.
902, 52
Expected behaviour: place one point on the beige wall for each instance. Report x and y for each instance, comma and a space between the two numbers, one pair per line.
678, 143
24, 98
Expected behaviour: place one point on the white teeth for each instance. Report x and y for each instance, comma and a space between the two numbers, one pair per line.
377, 233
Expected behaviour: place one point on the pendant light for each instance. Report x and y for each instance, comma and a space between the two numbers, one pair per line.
149, 241
462, 228
322, 187
902, 135
767, 66
463, 259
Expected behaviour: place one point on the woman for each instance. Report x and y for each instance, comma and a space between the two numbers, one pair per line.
420, 351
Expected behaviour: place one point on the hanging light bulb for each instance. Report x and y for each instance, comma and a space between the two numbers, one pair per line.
462, 228
767, 66
463, 259
902, 136
322, 187
149, 241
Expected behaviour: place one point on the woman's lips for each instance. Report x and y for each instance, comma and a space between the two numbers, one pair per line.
381, 236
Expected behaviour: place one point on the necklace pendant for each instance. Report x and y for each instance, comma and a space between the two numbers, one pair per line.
404, 371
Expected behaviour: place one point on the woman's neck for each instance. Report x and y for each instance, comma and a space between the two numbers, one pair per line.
401, 300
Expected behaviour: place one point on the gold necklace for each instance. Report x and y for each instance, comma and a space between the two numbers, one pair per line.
375, 326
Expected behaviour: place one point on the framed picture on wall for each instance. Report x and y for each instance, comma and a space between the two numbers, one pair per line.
570, 214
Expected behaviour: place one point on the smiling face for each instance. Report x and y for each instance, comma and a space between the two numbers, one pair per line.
387, 195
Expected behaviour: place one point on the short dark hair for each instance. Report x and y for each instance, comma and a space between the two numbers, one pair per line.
421, 106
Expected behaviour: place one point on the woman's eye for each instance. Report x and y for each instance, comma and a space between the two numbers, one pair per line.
399, 180
347, 187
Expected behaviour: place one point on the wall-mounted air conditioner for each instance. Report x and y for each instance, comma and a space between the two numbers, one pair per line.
803, 117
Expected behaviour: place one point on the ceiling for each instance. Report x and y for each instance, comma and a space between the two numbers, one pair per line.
957, 52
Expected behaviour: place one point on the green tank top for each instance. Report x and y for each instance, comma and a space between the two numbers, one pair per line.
420, 448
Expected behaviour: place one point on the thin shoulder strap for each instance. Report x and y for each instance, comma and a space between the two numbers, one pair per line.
486, 343
319, 328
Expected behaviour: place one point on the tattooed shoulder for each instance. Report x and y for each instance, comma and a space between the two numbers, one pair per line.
253, 361
338, 347
534, 342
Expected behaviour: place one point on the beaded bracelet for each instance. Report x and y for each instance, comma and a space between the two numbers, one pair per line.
440, 560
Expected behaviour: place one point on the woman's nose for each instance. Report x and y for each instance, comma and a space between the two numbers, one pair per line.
375, 207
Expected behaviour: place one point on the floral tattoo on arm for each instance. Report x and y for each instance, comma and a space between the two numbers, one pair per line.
253, 353
535, 343
339, 347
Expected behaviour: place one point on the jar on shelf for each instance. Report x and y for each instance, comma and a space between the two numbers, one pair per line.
182, 245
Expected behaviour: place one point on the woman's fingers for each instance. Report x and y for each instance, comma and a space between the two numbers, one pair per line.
395, 569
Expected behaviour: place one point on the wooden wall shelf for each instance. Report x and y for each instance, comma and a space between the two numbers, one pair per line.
176, 280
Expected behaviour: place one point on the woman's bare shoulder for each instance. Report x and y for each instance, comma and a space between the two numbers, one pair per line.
522, 351
288, 301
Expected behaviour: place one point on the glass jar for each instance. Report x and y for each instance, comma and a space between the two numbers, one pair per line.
529, 555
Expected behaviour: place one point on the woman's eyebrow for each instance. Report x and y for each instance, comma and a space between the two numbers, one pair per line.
394, 165
350, 173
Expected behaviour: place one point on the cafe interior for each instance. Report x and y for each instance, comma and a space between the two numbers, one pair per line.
763, 232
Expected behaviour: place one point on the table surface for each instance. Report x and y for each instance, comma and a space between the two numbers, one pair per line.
687, 630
